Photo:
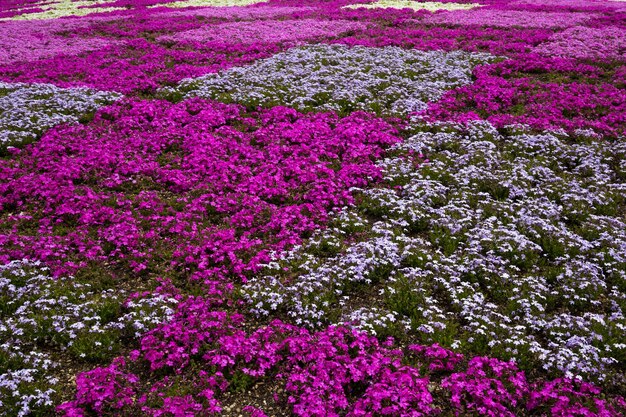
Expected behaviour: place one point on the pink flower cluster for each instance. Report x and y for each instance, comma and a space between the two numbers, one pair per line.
602, 44
30, 41
134, 67
570, 4
201, 187
236, 12
333, 372
9, 8
546, 93
266, 31
508, 18
103, 390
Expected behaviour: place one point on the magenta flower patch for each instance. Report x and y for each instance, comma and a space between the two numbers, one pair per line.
221, 185
333, 372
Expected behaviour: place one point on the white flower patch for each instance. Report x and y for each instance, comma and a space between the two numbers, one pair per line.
511, 245
388, 80
431, 6
12, 390
373, 320
28, 110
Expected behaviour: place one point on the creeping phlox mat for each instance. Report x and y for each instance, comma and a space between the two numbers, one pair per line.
61, 8
500, 226
387, 80
414, 5
313, 208
213, 3
29, 110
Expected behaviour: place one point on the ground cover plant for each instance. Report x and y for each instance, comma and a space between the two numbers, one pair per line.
502, 244
387, 80
29, 110
312, 208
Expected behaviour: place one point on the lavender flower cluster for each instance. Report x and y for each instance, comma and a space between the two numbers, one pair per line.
510, 244
28, 110
43, 320
388, 80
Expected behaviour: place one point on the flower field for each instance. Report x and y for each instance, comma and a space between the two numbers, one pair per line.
315, 208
